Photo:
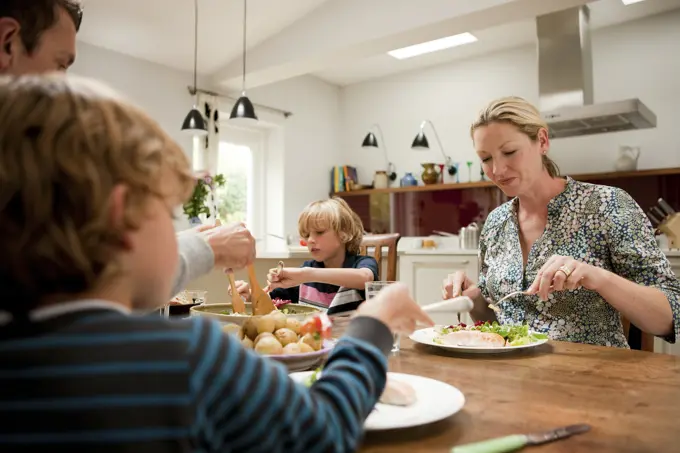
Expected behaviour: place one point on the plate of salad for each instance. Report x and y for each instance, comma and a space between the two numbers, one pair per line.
481, 338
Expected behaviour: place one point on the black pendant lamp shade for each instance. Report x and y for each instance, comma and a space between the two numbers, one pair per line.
243, 109
370, 140
420, 142
194, 123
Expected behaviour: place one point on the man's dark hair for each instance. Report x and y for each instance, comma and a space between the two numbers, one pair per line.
37, 16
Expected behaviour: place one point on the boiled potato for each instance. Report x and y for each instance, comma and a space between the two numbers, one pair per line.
247, 343
279, 319
312, 341
286, 336
265, 323
233, 329
293, 348
250, 329
269, 345
293, 324
305, 348
261, 336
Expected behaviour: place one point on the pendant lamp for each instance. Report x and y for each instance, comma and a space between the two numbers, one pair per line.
194, 123
244, 109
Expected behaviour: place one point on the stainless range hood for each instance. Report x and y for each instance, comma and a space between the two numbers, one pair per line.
565, 80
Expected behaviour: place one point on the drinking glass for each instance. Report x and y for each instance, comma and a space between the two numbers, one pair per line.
372, 289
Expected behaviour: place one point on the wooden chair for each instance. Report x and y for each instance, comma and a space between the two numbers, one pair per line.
637, 339
377, 242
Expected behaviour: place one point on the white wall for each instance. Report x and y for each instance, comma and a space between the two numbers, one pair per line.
159, 90
638, 59
311, 140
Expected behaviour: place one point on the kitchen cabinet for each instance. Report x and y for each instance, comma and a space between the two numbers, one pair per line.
424, 273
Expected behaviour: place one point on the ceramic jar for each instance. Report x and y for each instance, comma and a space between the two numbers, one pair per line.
408, 180
380, 180
430, 175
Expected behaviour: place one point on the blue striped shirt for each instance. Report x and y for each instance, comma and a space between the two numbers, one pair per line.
100, 380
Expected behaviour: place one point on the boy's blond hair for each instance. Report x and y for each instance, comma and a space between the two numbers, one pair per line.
336, 215
64, 144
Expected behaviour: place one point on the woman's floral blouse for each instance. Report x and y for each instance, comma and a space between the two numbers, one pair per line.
599, 225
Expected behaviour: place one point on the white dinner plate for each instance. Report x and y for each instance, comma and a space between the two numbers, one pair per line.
427, 336
435, 400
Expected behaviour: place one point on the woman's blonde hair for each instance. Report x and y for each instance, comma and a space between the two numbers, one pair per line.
333, 214
521, 114
65, 143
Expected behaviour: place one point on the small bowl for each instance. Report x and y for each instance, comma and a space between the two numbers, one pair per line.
217, 312
307, 361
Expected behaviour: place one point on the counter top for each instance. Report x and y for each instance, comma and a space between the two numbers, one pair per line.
304, 254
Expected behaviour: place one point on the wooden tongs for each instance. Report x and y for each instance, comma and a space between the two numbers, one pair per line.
237, 303
261, 301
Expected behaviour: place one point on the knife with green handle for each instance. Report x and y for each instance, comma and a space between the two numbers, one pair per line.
516, 441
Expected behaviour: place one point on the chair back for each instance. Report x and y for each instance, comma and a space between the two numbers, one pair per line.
375, 243
637, 339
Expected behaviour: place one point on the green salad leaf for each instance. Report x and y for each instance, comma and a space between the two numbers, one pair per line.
313, 377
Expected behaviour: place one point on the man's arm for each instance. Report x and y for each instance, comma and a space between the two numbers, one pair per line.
196, 258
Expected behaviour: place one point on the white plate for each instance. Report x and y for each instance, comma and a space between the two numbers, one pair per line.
436, 401
426, 337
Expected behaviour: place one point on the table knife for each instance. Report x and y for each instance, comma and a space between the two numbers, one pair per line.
666, 207
460, 304
517, 441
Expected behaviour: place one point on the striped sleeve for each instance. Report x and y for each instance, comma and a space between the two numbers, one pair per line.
246, 402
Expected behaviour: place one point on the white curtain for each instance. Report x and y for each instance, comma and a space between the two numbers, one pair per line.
205, 156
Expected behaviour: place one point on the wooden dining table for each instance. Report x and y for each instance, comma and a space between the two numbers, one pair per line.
631, 399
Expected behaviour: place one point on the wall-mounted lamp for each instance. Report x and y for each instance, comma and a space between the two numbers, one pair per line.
370, 141
421, 143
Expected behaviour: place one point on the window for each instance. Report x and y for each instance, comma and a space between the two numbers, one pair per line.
235, 199
240, 158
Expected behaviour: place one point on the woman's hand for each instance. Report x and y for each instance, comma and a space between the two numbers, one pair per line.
564, 272
286, 277
458, 284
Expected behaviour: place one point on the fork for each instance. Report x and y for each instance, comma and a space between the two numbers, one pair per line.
495, 308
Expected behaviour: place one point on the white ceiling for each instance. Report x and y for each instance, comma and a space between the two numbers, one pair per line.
162, 31
603, 13
341, 41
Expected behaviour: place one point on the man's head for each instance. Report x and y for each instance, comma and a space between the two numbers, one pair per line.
88, 185
38, 36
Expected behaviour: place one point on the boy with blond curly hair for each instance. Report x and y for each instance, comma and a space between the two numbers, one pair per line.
88, 185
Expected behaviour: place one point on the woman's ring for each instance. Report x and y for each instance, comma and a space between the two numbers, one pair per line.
565, 270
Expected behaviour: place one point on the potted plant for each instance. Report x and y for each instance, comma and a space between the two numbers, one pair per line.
197, 204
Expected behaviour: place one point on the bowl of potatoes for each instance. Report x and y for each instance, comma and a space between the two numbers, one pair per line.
224, 313
294, 339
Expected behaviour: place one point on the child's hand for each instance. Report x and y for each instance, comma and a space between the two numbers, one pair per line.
395, 307
286, 277
243, 289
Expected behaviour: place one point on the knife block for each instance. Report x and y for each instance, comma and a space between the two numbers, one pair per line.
671, 228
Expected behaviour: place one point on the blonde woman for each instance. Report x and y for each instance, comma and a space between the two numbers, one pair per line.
585, 254
336, 276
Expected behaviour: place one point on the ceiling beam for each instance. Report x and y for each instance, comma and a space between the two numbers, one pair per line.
357, 29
